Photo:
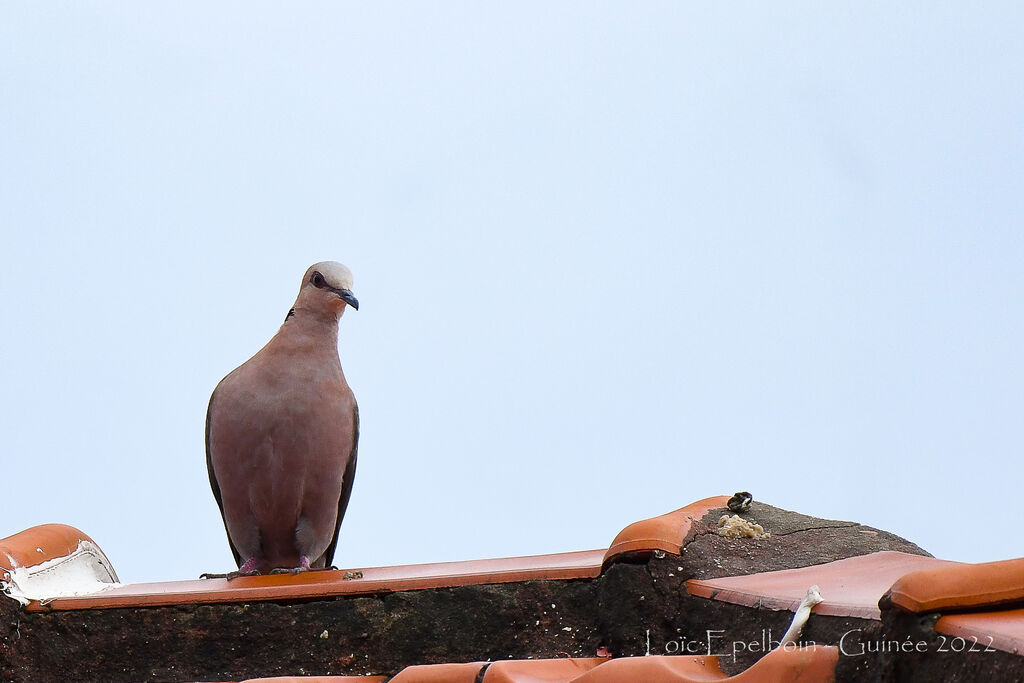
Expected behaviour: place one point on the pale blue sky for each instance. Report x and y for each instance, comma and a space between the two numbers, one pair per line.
612, 258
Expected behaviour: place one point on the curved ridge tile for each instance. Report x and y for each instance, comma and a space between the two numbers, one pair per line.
40, 543
575, 565
810, 664
1002, 630
656, 669
960, 586
318, 679
540, 670
50, 561
439, 673
666, 532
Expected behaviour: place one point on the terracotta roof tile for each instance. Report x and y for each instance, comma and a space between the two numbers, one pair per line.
439, 673
40, 543
960, 586
318, 679
814, 664
850, 587
540, 670
656, 669
1002, 630
577, 565
666, 532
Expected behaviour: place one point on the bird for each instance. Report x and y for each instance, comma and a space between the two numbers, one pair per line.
740, 501
282, 434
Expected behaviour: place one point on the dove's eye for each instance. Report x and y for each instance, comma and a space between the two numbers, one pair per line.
318, 279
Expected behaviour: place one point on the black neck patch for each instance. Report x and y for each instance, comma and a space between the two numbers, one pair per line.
290, 314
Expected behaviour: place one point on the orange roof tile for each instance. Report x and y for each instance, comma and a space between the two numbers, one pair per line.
40, 543
318, 679
815, 664
439, 673
850, 587
656, 669
982, 631
577, 565
540, 670
960, 586
666, 532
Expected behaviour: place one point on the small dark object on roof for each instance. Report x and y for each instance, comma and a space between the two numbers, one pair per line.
740, 502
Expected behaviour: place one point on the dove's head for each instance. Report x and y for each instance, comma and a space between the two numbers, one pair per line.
327, 288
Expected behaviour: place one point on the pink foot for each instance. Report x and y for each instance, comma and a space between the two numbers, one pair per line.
247, 569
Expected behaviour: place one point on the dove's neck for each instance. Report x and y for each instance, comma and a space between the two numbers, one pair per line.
307, 327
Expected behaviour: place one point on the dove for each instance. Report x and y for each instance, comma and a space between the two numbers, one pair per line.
282, 432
